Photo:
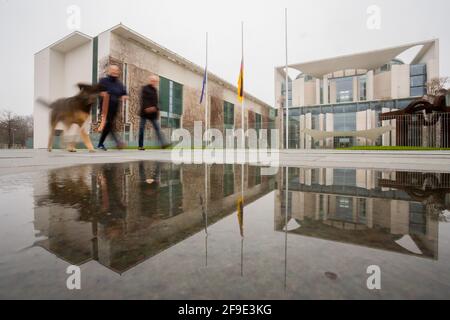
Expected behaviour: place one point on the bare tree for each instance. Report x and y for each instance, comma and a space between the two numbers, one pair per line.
14, 129
435, 85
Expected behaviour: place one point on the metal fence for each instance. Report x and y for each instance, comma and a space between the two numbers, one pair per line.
420, 130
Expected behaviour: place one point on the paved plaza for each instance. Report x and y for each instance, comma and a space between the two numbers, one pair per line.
19, 161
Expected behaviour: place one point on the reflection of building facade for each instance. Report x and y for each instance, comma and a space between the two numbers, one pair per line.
345, 95
112, 214
365, 207
81, 58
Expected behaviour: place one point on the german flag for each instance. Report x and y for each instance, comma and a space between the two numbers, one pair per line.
240, 214
241, 83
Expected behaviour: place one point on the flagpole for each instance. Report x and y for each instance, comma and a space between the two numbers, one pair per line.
286, 92
206, 88
243, 95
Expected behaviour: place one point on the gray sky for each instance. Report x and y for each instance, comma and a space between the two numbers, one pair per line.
317, 29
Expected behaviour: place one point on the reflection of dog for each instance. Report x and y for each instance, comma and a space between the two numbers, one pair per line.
74, 110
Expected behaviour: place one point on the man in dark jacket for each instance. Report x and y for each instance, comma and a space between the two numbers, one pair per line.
110, 99
150, 111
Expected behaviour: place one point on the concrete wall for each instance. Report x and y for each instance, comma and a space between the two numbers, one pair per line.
56, 76
41, 90
382, 86
310, 93
400, 81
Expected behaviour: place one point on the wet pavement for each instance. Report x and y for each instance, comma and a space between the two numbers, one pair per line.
157, 230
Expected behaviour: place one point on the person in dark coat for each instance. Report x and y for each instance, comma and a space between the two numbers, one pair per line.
110, 100
150, 111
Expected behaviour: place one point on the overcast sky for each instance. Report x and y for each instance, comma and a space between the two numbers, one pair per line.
317, 29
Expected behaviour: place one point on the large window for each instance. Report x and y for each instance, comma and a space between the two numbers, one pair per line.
418, 80
228, 115
258, 123
363, 88
344, 89
344, 177
283, 91
345, 121
228, 180
170, 102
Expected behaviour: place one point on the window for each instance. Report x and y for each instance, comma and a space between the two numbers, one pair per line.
126, 107
344, 89
418, 80
258, 123
321, 92
344, 209
228, 115
363, 88
283, 91
344, 177
345, 121
362, 211
173, 123
228, 180
170, 102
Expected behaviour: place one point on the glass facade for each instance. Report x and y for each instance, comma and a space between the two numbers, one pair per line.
170, 102
418, 80
344, 89
339, 117
283, 90
345, 122
228, 115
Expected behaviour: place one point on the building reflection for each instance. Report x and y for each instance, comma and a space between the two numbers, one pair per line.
394, 211
123, 214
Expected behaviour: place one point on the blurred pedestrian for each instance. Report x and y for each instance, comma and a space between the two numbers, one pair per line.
150, 111
110, 99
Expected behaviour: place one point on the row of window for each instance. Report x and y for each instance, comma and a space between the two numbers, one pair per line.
345, 90
418, 80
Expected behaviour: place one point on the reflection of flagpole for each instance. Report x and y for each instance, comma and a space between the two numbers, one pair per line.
286, 226
286, 91
240, 214
206, 214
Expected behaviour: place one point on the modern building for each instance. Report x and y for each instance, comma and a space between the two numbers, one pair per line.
381, 210
337, 102
82, 58
113, 217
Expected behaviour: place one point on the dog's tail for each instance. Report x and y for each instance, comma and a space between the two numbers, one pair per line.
44, 102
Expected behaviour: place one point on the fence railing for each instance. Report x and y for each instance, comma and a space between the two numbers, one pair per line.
420, 130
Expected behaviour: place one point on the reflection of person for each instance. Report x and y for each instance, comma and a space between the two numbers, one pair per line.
115, 91
150, 111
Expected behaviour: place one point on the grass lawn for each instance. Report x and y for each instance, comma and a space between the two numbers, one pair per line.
375, 148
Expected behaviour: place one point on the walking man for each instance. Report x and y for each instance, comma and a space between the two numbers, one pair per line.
150, 111
115, 92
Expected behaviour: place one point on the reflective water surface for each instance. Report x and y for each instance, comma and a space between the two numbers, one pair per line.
147, 230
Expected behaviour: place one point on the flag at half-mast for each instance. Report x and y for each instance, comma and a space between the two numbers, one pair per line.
241, 83
205, 78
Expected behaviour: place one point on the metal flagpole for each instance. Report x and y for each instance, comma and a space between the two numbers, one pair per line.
286, 91
206, 89
206, 164
242, 85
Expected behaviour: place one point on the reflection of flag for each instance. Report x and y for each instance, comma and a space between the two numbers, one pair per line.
240, 213
204, 86
241, 83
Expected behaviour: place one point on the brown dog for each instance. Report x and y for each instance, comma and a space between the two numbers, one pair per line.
74, 110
